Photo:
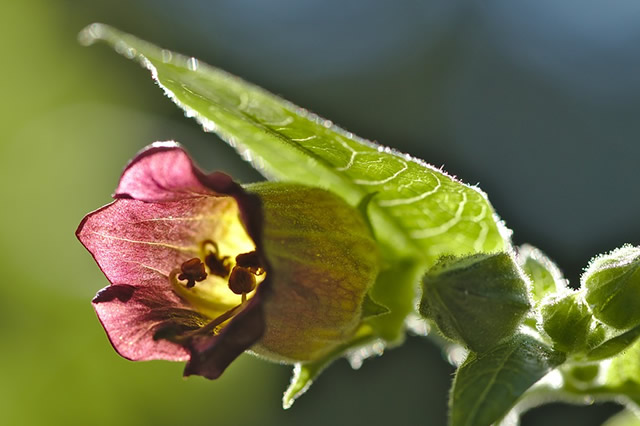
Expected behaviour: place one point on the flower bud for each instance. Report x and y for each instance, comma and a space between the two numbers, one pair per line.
567, 321
476, 301
612, 284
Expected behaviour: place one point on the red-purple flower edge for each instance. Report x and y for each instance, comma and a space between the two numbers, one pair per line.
163, 203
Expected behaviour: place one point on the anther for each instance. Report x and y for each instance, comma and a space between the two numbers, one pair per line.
242, 281
192, 270
219, 266
250, 261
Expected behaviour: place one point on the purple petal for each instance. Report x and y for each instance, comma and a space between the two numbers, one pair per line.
162, 172
132, 315
140, 243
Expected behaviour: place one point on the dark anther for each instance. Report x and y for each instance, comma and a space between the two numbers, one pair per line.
242, 281
192, 271
250, 261
219, 266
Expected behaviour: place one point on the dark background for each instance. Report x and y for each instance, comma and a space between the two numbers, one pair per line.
537, 101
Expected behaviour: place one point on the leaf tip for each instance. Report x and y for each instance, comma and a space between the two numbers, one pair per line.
300, 382
92, 33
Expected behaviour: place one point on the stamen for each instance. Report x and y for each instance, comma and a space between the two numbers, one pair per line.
170, 332
242, 280
219, 266
192, 270
250, 261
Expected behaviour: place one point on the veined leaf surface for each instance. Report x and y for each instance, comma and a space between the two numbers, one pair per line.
419, 211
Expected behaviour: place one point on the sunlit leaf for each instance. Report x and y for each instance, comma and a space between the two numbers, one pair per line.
614, 345
545, 276
488, 385
419, 210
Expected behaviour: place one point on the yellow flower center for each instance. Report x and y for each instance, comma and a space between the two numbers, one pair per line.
224, 276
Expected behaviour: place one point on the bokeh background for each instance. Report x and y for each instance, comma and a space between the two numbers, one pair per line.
537, 101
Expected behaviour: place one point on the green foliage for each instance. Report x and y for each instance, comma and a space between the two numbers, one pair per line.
429, 225
459, 293
567, 321
488, 385
614, 345
612, 284
286, 142
545, 276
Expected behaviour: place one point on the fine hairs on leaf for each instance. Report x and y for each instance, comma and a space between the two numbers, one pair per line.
437, 239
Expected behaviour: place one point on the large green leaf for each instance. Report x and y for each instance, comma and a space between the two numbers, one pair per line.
488, 385
419, 210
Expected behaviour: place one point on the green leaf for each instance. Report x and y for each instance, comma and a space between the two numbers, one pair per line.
303, 377
614, 346
545, 276
488, 385
567, 320
476, 300
420, 211
625, 368
305, 374
612, 283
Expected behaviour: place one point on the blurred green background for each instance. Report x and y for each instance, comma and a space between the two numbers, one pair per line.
537, 101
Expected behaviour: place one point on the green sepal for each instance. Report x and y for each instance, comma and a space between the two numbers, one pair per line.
363, 208
545, 276
395, 288
614, 346
476, 301
322, 266
488, 385
371, 308
612, 284
567, 321
305, 373
303, 377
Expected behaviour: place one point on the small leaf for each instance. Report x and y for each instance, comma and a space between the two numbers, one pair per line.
477, 300
420, 211
371, 309
615, 345
488, 385
567, 321
623, 375
545, 276
303, 377
612, 284
305, 373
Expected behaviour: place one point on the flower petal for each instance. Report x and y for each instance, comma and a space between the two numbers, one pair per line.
133, 315
163, 171
140, 243
210, 355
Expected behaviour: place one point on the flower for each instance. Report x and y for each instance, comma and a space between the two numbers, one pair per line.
202, 269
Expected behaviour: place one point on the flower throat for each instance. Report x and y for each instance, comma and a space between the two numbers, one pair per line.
199, 278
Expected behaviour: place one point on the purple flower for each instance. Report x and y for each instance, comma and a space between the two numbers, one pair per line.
202, 270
